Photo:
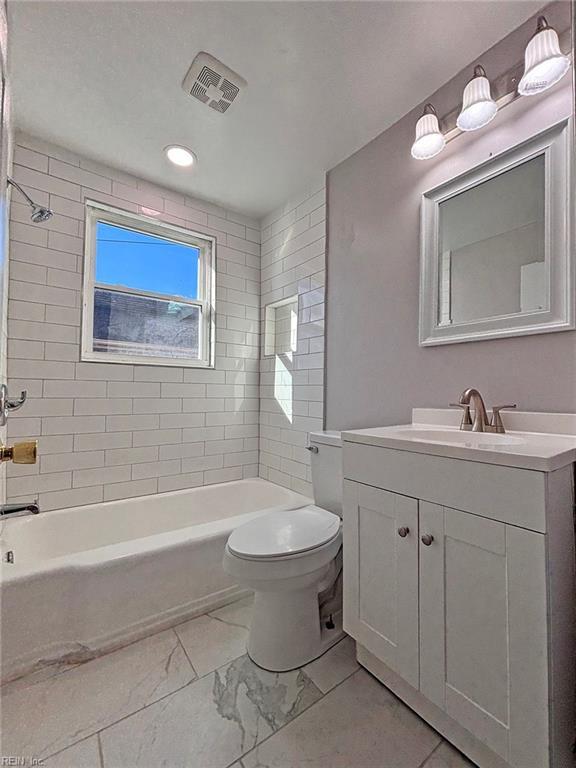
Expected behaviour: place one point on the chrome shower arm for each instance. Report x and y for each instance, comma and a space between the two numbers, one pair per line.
24, 194
39, 213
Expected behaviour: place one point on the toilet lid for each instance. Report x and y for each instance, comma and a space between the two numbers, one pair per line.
285, 532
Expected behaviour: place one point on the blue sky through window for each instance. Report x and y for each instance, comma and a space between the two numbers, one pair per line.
145, 262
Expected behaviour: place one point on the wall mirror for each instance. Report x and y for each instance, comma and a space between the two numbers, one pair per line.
495, 247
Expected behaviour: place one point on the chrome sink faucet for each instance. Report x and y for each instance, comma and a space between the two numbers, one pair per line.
471, 398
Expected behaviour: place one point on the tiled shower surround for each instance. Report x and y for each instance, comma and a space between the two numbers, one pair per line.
111, 431
292, 385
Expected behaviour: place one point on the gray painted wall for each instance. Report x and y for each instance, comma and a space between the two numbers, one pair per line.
376, 372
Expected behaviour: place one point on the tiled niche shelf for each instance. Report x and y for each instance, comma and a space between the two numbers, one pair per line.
280, 327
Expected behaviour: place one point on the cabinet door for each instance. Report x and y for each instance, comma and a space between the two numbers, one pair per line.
381, 575
483, 636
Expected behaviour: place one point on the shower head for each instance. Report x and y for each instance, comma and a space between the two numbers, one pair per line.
39, 212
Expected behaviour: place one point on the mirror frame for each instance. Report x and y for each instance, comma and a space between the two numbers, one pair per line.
555, 145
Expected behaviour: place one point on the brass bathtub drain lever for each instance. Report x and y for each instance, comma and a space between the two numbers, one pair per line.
20, 453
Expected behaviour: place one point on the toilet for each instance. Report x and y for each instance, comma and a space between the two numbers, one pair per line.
292, 559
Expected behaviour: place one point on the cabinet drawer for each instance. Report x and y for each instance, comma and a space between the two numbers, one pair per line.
507, 494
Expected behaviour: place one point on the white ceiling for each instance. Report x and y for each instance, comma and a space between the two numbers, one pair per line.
104, 79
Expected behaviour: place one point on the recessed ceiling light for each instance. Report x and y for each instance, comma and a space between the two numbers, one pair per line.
181, 156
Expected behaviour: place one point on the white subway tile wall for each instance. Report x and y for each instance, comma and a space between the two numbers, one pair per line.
293, 243
110, 431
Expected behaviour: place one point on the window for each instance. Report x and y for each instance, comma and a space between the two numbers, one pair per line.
148, 291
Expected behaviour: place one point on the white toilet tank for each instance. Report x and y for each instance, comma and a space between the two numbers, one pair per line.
327, 470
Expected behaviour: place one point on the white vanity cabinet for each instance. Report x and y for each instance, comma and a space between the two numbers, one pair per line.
459, 590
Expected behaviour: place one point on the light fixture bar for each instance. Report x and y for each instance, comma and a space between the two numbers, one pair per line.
504, 91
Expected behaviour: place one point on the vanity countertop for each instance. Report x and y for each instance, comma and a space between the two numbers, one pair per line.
430, 433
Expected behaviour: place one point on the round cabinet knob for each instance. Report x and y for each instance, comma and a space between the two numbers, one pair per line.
427, 539
403, 532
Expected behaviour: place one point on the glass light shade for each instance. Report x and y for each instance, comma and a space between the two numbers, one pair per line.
478, 106
544, 62
180, 156
429, 140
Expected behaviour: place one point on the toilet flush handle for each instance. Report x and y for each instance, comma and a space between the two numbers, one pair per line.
312, 448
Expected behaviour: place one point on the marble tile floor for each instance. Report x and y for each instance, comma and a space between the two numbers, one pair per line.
189, 697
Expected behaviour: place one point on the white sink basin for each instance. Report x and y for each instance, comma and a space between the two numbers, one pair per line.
527, 450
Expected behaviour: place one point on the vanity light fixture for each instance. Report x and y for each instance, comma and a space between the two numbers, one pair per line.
429, 140
180, 156
544, 62
478, 106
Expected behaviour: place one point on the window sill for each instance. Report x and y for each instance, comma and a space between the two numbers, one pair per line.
160, 362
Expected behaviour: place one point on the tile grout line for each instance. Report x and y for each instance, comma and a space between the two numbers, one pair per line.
238, 761
436, 748
442, 739
228, 623
181, 644
101, 730
191, 683
308, 708
98, 733
75, 744
100, 750
151, 703
186, 685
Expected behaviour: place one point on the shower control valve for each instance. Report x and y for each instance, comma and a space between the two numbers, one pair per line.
6, 405
20, 453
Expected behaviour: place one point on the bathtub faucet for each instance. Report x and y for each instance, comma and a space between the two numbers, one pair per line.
15, 510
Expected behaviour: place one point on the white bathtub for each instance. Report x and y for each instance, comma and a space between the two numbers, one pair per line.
89, 579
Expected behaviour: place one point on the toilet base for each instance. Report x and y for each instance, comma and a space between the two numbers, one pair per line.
291, 628
295, 650
293, 599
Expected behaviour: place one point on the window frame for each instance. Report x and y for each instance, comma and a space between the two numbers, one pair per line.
96, 212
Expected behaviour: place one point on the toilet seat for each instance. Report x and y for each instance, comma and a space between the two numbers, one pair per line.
285, 534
